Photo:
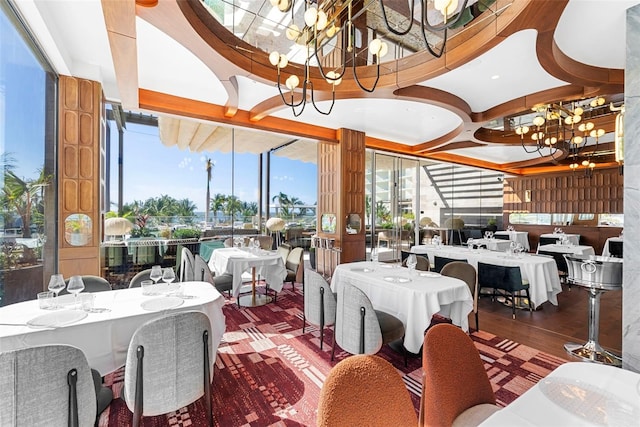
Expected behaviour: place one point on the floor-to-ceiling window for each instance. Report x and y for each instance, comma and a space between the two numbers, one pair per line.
27, 141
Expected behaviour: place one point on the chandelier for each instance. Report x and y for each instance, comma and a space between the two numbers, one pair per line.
329, 19
559, 129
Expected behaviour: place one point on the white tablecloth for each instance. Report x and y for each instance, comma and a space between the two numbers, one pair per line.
605, 250
576, 394
568, 249
236, 261
521, 237
493, 244
573, 238
415, 302
104, 337
541, 272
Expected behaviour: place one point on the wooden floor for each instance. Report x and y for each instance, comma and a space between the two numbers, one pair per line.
550, 327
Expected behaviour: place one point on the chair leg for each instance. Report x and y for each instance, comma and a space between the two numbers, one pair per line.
477, 327
72, 381
513, 305
138, 409
529, 299
333, 348
207, 377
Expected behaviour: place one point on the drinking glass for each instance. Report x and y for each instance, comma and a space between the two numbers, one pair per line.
168, 276
412, 261
470, 243
75, 286
374, 255
156, 273
56, 284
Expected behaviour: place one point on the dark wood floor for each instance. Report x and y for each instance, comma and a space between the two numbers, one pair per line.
550, 327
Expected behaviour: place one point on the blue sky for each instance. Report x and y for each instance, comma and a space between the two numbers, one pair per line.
152, 169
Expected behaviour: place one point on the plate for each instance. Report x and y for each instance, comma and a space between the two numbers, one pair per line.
56, 319
162, 303
397, 279
363, 269
430, 274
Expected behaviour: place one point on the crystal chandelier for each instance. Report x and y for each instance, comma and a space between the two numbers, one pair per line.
559, 128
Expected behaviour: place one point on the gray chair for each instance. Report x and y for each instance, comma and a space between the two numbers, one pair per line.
319, 303
46, 386
468, 274
202, 272
169, 365
441, 261
284, 250
136, 281
91, 284
293, 263
359, 329
187, 262
422, 265
507, 279
266, 242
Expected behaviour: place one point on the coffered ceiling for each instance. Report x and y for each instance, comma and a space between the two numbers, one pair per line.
166, 59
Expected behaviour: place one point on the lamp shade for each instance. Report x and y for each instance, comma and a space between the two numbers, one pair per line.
275, 224
117, 226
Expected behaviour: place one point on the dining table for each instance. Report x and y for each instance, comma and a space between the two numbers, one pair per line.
568, 249
103, 333
491, 244
605, 249
410, 295
541, 272
575, 394
235, 261
521, 237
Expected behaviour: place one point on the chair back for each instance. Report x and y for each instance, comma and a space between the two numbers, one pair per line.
422, 265
136, 281
294, 259
615, 248
171, 360
454, 378
201, 270
465, 272
501, 236
228, 242
187, 263
357, 329
561, 263
284, 252
91, 284
500, 277
36, 387
266, 242
441, 261
319, 301
365, 390
548, 241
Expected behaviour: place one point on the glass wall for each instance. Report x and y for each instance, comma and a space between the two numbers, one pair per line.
27, 141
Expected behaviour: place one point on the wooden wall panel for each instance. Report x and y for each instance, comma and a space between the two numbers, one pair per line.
79, 177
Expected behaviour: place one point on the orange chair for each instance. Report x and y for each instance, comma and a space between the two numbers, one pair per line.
455, 386
365, 390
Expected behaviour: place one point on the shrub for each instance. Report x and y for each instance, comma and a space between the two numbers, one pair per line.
186, 233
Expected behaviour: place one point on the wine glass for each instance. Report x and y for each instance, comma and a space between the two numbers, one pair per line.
156, 273
75, 286
168, 276
470, 243
374, 255
412, 261
56, 284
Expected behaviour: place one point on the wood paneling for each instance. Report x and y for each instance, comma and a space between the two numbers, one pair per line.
79, 176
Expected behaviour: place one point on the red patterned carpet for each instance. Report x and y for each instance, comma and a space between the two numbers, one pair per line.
269, 374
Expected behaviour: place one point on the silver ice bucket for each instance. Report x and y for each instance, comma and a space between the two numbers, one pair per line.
595, 271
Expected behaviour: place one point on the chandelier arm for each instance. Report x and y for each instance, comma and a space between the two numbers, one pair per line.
524, 147
444, 26
426, 41
333, 101
401, 32
355, 75
321, 68
291, 104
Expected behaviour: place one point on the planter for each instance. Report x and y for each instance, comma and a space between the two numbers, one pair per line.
21, 284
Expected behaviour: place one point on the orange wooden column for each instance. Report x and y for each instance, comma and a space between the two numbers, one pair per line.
79, 220
341, 182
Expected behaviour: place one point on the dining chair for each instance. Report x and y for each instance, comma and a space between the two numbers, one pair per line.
455, 387
359, 329
136, 281
187, 262
441, 261
293, 263
547, 241
169, 365
501, 236
45, 386
615, 248
468, 274
284, 250
319, 303
228, 242
202, 272
91, 284
561, 264
365, 390
422, 265
508, 279
266, 242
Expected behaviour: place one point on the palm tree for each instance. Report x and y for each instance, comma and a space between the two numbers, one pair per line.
217, 204
23, 195
293, 202
208, 167
231, 206
283, 203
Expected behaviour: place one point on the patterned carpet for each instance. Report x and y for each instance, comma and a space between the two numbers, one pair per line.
269, 374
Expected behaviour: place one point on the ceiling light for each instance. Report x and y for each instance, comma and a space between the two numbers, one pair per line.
495, 77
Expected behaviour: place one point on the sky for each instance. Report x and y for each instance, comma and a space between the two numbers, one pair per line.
152, 169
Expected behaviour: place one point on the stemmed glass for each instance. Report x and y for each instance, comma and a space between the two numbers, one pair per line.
56, 284
156, 273
168, 276
470, 243
374, 255
412, 262
75, 286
